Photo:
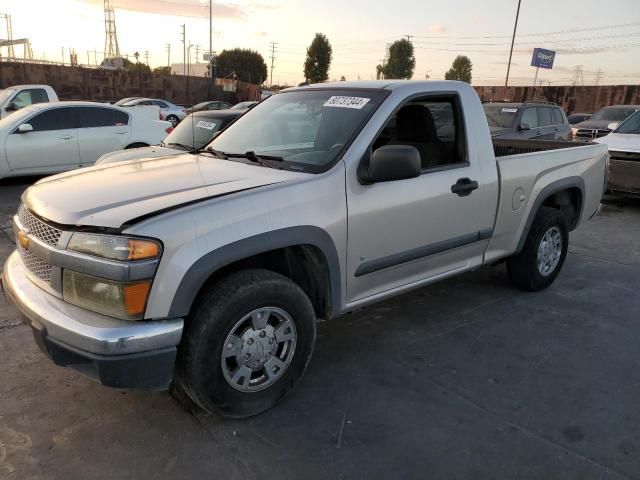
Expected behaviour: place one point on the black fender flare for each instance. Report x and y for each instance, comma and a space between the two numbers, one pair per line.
201, 270
546, 192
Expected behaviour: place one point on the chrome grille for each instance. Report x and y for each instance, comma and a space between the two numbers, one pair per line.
36, 227
37, 267
592, 133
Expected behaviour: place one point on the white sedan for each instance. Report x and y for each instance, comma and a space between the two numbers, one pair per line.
53, 137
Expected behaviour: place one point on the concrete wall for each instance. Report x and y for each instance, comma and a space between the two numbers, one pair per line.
572, 99
77, 83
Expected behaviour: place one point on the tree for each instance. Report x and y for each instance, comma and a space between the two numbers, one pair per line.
318, 61
162, 70
248, 65
460, 69
401, 62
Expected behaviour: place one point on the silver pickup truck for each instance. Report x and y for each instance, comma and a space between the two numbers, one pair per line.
209, 271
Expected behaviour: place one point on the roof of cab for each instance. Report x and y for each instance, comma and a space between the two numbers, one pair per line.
381, 84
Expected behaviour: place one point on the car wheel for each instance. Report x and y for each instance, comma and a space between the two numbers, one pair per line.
247, 343
543, 254
173, 120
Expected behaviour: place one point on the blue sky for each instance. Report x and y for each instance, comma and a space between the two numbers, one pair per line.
592, 33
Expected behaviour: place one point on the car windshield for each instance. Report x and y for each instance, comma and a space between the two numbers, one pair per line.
201, 105
307, 128
193, 132
630, 125
612, 114
500, 116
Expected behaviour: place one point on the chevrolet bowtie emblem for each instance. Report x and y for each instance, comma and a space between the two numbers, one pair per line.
23, 240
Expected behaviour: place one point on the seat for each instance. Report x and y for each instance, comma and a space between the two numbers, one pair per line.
415, 127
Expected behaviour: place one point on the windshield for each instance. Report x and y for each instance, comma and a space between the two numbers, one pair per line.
307, 128
500, 116
5, 94
613, 114
631, 125
193, 132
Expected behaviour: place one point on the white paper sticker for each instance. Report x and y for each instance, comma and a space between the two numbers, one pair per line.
207, 125
509, 110
346, 102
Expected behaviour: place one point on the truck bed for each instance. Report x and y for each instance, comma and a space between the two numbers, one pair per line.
503, 148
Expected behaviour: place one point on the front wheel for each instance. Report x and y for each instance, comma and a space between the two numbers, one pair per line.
543, 254
247, 344
173, 120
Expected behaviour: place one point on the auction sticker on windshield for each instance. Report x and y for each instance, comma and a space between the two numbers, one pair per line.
207, 125
346, 102
509, 110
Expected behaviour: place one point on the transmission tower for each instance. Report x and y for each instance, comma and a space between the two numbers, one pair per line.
273, 58
111, 48
599, 75
578, 77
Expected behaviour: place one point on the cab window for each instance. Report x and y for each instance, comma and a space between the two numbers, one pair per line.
529, 118
30, 97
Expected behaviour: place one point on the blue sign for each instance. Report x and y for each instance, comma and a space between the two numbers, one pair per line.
543, 58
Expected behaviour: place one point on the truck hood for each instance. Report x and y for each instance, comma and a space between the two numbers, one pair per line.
593, 124
114, 195
137, 154
621, 142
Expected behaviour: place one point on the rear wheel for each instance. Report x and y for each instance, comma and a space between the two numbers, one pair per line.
543, 254
247, 344
173, 120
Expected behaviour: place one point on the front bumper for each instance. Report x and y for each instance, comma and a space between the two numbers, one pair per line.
116, 353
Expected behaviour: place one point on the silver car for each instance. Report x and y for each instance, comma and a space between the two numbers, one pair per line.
168, 111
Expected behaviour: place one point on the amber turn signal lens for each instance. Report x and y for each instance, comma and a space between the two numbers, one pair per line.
141, 249
135, 297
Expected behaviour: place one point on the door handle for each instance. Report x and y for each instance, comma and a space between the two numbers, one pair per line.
66, 137
121, 133
464, 186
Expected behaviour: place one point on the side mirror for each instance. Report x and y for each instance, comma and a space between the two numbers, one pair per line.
525, 126
25, 128
393, 162
12, 107
613, 125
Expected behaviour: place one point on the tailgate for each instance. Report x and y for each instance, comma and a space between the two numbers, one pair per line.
624, 172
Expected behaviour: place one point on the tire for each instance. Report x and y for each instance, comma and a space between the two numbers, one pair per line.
173, 120
524, 269
222, 324
136, 145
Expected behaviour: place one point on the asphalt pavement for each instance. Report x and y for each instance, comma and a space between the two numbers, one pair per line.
465, 379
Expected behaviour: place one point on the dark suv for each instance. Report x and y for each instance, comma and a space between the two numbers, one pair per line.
545, 121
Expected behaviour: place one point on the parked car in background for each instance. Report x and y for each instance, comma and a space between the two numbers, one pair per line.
194, 132
602, 122
53, 137
122, 101
215, 267
244, 105
170, 112
578, 117
624, 148
528, 120
214, 105
14, 98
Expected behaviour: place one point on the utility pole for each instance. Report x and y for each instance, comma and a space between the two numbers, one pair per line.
184, 52
513, 39
167, 47
409, 37
273, 57
599, 75
146, 57
62, 55
212, 78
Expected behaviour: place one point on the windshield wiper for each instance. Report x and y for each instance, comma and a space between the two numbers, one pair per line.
264, 160
214, 152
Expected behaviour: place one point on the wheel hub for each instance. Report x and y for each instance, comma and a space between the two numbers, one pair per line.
549, 251
258, 347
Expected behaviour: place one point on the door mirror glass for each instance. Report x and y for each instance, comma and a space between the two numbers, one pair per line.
613, 125
24, 128
12, 107
393, 162
524, 126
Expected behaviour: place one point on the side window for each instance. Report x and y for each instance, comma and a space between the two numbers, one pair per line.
91, 117
529, 118
544, 115
160, 104
558, 118
30, 97
54, 119
433, 126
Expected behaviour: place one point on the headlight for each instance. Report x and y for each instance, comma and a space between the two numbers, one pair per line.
574, 131
114, 247
116, 299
